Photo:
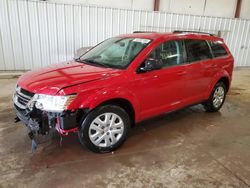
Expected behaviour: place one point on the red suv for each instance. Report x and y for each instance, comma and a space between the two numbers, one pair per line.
122, 81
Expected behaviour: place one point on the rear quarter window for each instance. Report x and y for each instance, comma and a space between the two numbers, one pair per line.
218, 49
197, 50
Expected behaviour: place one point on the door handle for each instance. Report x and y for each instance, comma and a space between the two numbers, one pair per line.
182, 73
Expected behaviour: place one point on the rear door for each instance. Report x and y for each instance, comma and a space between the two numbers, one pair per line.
200, 63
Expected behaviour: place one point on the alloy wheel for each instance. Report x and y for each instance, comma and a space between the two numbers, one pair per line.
218, 96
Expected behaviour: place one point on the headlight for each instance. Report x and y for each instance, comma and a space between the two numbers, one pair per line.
52, 103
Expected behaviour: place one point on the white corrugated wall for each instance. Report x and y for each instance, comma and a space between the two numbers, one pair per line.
35, 34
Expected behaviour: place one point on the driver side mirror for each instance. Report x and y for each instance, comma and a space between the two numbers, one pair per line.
149, 65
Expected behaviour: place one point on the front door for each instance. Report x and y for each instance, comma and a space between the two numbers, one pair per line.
164, 89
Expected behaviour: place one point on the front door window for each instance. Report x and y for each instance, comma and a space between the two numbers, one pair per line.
169, 53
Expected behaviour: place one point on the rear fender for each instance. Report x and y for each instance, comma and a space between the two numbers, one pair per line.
216, 78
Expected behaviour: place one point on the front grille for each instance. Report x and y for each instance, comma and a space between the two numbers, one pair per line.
27, 93
22, 97
23, 100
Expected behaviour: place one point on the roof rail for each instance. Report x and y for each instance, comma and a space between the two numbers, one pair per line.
144, 32
199, 32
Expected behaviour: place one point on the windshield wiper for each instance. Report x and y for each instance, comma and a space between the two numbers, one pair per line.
92, 62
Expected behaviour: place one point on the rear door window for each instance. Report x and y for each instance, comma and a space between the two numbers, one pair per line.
217, 48
197, 50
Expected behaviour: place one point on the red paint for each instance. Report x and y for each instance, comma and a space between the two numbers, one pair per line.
150, 93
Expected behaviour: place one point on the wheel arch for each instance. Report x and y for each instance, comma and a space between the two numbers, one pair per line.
226, 81
123, 103
220, 76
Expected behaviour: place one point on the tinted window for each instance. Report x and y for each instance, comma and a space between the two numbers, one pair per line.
169, 53
197, 50
218, 49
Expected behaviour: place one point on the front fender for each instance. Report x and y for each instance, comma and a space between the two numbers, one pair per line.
95, 98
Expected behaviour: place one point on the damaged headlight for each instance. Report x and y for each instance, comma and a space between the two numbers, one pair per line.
52, 103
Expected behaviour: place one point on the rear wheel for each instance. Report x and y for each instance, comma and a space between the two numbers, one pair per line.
217, 98
104, 129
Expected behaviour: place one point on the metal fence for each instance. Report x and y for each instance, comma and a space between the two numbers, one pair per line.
35, 34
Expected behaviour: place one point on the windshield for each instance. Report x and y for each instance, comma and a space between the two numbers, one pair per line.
115, 52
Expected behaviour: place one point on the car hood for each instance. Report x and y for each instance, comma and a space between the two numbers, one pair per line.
51, 79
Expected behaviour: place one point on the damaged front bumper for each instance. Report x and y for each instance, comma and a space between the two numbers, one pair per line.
40, 122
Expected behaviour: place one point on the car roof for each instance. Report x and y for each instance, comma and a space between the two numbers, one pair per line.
181, 35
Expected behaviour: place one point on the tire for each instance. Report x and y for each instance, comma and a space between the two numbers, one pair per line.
104, 129
219, 94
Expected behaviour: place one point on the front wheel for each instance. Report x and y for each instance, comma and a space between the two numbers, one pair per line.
104, 129
217, 98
